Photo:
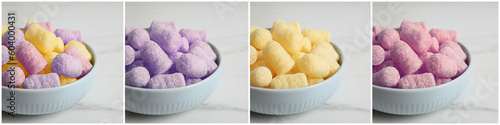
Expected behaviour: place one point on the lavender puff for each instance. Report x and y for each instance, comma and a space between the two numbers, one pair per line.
66, 65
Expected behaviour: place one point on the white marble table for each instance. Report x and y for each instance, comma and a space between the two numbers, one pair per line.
477, 28
349, 27
102, 28
228, 31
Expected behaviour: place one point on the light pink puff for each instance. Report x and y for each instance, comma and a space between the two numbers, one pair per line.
442, 65
387, 38
378, 55
405, 58
444, 35
415, 81
434, 45
455, 47
387, 77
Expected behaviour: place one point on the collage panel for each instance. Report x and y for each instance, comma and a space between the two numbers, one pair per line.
185, 62
63, 62
317, 57
435, 62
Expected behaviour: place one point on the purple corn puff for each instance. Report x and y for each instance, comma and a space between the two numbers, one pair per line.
191, 66
128, 29
5, 55
190, 81
154, 57
174, 57
184, 45
211, 65
40, 81
136, 64
193, 35
129, 55
15, 74
68, 35
205, 47
137, 38
18, 37
156, 24
86, 65
137, 77
168, 40
165, 81
137, 55
66, 65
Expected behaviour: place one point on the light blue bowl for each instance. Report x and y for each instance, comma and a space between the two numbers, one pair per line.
296, 100
174, 100
424, 100
50, 100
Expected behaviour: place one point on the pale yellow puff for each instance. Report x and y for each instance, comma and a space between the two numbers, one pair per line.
4, 29
80, 47
253, 28
253, 55
290, 39
312, 80
294, 25
259, 56
288, 81
316, 35
260, 77
260, 37
307, 45
314, 66
30, 21
49, 57
277, 58
263, 64
325, 49
66, 80
296, 58
59, 45
257, 64
41, 38
334, 68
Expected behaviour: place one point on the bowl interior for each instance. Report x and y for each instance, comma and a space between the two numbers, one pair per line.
218, 62
341, 60
93, 62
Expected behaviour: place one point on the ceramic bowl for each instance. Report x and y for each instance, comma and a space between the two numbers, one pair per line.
174, 100
50, 100
423, 100
296, 100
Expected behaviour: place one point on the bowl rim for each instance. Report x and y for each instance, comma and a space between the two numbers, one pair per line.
469, 58
219, 69
94, 58
342, 66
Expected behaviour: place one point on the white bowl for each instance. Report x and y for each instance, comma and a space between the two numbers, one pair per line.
423, 100
50, 100
173, 100
296, 100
